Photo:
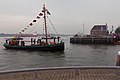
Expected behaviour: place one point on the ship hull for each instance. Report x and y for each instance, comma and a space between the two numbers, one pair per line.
51, 47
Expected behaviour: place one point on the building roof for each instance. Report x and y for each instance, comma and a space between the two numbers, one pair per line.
99, 27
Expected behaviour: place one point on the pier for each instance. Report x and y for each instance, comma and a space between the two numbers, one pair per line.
93, 40
69, 73
99, 34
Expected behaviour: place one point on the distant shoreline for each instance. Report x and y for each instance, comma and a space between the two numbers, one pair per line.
31, 35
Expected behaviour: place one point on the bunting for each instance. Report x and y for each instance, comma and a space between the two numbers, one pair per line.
43, 11
48, 12
40, 14
34, 20
31, 24
38, 17
25, 28
22, 30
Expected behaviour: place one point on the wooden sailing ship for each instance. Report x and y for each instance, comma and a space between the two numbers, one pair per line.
42, 44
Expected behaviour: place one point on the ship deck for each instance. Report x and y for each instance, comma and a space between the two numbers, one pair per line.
69, 73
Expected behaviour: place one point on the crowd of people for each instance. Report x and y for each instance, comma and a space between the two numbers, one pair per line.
33, 41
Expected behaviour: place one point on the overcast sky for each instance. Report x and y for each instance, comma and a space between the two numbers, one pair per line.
67, 16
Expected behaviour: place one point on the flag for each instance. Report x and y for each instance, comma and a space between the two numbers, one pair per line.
22, 30
40, 14
30, 24
34, 20
38, 17
20, 33
48, 12
25, 28
43, 10
48, 35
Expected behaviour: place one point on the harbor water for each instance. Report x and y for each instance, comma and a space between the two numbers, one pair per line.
74, 55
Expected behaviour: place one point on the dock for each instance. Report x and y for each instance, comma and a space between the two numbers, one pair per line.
66, 73
93, 40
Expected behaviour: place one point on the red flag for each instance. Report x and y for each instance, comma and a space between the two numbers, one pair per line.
40, 14
48, 35
38, 17
30, 24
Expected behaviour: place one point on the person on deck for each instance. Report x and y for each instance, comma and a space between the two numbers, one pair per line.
34, 41
31, 41
54, 39
58, 38
22, 43
39, 41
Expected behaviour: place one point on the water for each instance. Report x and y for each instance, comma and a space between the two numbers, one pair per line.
74, 55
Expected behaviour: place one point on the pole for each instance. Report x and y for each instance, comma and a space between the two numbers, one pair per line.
83, 27
118, 59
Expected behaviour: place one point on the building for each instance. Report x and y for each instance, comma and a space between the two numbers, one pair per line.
99, 30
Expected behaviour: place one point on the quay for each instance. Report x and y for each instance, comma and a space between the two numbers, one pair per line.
93, 40
69, 73
99, 34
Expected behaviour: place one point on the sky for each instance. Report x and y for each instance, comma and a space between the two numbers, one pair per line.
67, 16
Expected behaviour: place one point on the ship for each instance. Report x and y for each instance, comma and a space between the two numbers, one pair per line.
44, 43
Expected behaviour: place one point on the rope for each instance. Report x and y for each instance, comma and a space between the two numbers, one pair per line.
52, 25
43, 27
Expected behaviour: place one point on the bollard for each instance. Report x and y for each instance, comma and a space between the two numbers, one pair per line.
118, 59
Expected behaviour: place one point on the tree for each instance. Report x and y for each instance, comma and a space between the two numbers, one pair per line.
117, 30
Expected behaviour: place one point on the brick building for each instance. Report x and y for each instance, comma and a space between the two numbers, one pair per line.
99, 30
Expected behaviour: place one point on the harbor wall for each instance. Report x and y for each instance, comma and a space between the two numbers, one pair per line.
93, 40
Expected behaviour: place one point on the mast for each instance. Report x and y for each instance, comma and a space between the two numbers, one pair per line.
44, 11
83, 27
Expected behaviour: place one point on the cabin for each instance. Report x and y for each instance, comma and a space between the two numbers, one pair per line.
99, 30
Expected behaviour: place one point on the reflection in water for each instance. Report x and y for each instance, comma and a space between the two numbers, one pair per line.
74, 55
44, 54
